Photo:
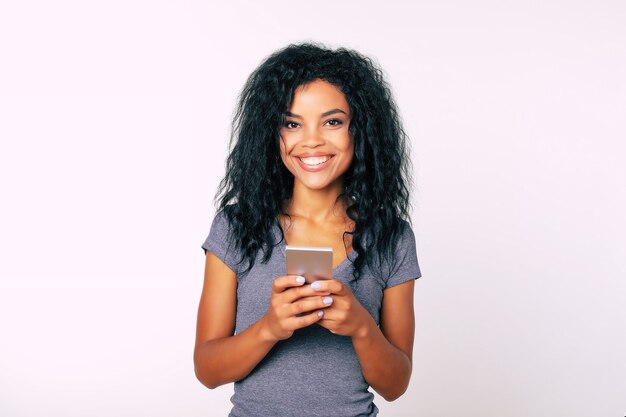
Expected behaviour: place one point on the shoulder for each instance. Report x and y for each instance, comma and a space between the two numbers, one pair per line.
220, 241
221, 221
406, 235
403, 264
220, 228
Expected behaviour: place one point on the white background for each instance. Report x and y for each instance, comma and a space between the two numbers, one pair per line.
114, 119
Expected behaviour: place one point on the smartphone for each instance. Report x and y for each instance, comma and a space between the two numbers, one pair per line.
312, 262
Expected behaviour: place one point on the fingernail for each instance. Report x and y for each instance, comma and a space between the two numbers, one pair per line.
327, 300
320, 313
300, 280
316, 285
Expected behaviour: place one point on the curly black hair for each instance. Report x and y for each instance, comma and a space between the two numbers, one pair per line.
257, 183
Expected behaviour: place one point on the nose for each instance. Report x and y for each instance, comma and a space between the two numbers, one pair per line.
313, 137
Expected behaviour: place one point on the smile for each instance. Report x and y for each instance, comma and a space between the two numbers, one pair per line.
315, 160
314, 163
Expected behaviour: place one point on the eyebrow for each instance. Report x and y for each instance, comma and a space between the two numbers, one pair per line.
327, 113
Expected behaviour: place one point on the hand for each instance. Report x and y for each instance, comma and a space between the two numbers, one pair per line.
345, 316
290, 298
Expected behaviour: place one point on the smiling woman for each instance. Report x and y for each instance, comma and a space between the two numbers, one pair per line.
318, 158
314, 140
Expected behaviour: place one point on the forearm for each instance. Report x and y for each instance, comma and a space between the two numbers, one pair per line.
385, 368
229, 359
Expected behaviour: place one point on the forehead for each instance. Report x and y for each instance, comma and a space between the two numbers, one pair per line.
318, 95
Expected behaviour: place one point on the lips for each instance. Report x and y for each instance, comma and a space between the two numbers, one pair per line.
314, 163
315, 160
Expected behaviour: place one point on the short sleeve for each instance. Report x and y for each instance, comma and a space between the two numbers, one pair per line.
404, 266
219, 242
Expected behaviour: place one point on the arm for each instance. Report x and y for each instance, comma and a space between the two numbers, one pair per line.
220, 357
386, 354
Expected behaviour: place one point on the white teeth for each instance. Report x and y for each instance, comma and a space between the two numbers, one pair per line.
316, 160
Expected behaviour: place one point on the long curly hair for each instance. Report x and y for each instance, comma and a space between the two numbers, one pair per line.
376, 185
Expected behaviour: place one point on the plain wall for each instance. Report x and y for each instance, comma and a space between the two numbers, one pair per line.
114, 120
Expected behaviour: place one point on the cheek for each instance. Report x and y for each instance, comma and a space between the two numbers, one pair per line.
285, 145
349, 150
345, 142
283, 153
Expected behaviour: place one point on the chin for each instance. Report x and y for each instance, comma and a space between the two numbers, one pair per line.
316, 186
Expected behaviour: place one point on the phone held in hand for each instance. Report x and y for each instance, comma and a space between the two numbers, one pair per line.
312, 262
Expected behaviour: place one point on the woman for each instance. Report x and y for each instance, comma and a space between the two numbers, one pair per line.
319, 159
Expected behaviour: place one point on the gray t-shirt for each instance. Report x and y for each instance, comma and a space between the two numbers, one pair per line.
315, 372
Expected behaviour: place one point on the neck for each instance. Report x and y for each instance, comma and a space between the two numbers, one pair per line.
318, 206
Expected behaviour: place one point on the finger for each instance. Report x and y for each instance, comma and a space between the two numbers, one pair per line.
287, 308
328, 324
314, 297
280, 284
312, 303
305, 320
292, 294
330, 285
331, 316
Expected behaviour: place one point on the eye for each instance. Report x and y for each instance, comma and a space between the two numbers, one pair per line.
334, 122
290, 125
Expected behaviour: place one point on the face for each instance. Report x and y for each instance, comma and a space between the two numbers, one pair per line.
315, 145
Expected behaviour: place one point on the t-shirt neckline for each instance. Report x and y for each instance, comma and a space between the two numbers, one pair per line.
283, 250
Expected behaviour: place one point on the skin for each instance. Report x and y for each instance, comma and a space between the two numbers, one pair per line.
318, 219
